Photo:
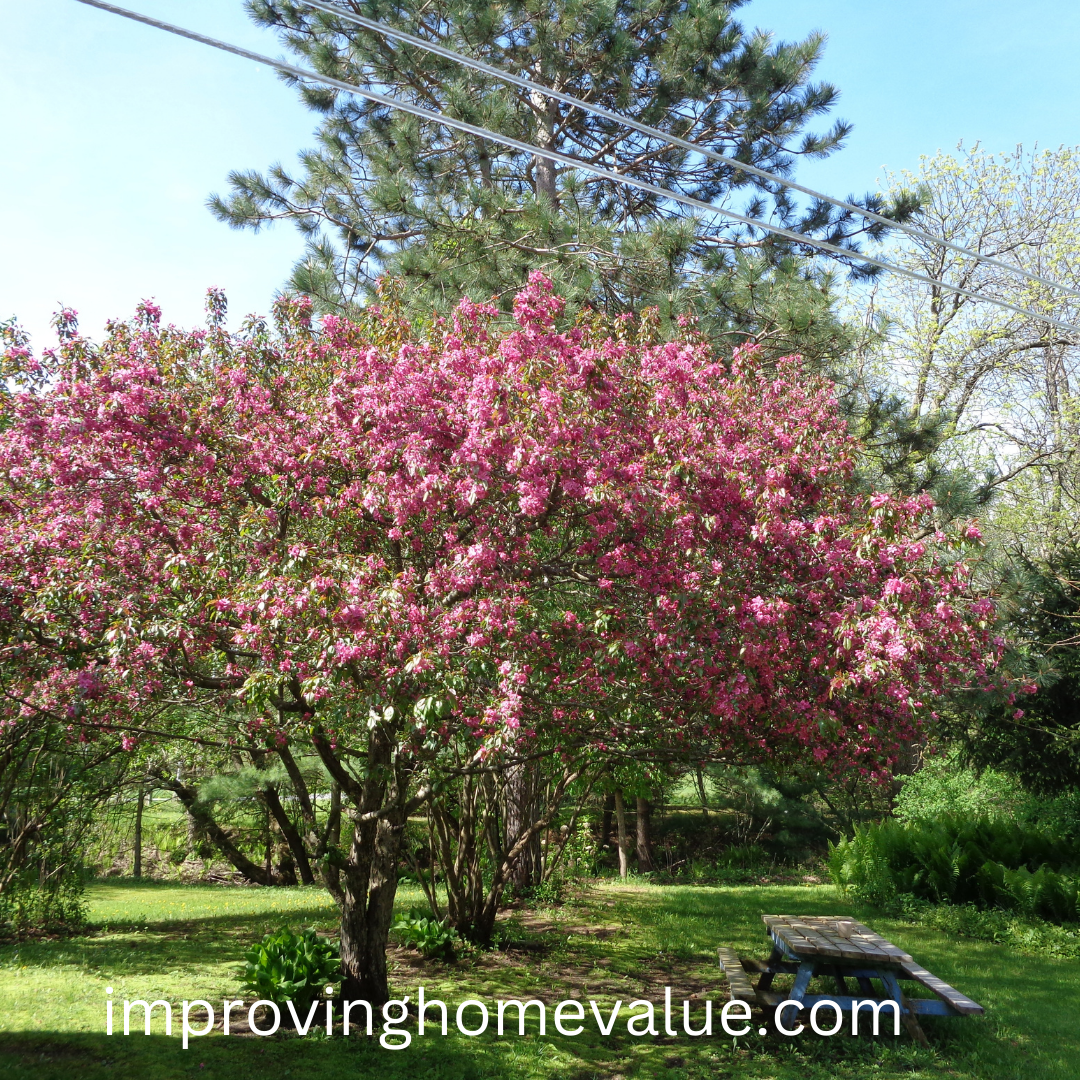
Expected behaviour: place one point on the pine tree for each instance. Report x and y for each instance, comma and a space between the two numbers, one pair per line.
1035, 738
386, 193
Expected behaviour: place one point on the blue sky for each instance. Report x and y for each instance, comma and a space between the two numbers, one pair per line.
113, 134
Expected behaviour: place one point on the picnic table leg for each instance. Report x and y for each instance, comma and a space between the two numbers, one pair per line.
907, 1017
798, 991
766, 980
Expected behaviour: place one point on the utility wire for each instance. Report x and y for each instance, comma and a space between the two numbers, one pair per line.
566, 159
385, 30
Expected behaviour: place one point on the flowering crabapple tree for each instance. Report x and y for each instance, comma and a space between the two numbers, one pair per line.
367, 543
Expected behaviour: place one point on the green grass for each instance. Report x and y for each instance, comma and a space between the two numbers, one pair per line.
151, 940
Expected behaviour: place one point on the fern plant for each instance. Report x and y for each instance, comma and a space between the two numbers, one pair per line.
958, 860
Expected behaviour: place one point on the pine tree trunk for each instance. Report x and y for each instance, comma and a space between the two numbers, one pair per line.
544, 169
624, 839
136, 869
644, 839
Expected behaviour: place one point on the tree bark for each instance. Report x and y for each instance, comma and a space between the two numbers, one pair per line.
136, 868
624, 839
644, 837
522, 813
369, 885
544, 170
291, 834
201, 820
701, 790
364, 883
607, 820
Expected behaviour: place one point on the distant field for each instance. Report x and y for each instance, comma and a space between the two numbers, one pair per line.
613, 941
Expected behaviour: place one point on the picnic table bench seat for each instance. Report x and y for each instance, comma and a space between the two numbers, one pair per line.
739, 988
960, 1002
840, 949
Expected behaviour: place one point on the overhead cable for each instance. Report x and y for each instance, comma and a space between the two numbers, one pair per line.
385, 30
566, 159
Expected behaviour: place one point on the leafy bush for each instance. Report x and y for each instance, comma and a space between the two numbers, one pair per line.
984, 861
943, 785
32, 902
290, 967
431, 936
1025, 933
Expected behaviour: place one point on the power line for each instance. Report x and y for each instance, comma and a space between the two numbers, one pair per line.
566, 159
385, 30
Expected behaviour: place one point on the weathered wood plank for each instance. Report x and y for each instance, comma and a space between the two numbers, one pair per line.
882, 944
739, 988
960, 1002
822, 946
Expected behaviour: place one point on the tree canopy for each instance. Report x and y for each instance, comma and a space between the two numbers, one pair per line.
455, 215
383, 545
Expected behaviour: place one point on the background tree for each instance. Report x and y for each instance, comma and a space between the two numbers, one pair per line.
1035, 738
992, 394
452, 215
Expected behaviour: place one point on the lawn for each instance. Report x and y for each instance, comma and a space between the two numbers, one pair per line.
608, 942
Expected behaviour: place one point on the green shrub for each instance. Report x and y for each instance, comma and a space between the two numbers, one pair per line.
1025, 933
291, 967
944, 786
431, 937
989, 862
56, 904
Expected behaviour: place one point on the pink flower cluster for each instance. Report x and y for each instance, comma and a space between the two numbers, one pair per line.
541, 528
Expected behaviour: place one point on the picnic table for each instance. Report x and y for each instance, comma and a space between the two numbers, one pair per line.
840, 949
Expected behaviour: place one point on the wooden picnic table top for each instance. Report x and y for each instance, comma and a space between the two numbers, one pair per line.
835, 938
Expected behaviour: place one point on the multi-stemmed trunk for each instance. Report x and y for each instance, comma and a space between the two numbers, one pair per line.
363, 880
463, 826
368, 886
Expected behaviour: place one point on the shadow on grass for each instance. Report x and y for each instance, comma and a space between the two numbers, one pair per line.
62, 1055
162, 947
52, 1056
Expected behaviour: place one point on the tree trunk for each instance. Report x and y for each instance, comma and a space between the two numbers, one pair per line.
624, 839
364, 883
369, 884
136, 868
644, 839
544, 169
522, 813
201, 821
607, 820
291, 835
701, 791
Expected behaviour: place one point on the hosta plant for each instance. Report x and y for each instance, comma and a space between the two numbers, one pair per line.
291, 967
430, 936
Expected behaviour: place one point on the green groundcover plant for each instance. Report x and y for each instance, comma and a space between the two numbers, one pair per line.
285, 966
430, 936
988, 862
